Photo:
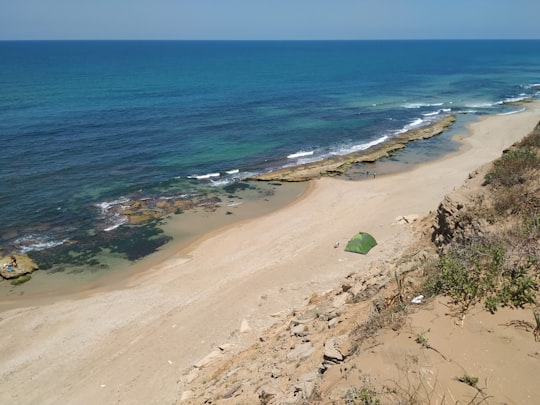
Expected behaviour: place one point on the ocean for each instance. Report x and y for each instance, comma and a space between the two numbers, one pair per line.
88, 127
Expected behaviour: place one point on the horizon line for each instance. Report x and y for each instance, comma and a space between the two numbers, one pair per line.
265, 40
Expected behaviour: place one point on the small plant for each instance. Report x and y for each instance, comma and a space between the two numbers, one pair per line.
422, 340
361, 396
469, 380
536, 331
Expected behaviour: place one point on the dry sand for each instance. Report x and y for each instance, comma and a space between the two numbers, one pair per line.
131, 345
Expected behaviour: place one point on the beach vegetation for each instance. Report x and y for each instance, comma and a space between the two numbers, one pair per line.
469, 380
512, 180
512, 168
498, 266
365, 395
536, 331
21, 279
481, 273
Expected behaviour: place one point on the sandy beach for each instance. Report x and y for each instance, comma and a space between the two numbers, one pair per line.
131, 345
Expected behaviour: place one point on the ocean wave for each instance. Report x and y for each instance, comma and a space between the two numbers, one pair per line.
517, 99
532, 86
418, 122
33, 242
480, 104
300, 154
234, 171
305, 161
204, 176
106, 206
345, 150
420, 105
116, 221
223, 182
514, 112
440, 111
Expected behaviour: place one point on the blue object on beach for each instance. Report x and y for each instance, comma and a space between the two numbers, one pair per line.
10, 268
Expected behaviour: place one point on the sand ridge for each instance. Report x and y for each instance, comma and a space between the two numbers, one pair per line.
131, 345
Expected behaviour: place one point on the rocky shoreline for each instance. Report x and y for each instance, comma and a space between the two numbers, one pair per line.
338, 165
24, 266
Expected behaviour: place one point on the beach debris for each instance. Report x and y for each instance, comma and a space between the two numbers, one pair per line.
244, 327
418, 299
406, 219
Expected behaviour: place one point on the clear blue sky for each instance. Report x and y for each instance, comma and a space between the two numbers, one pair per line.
270, 19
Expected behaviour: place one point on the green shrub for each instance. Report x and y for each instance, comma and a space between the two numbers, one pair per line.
510, 169
479, 273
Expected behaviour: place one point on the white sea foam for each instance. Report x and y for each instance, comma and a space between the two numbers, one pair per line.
117, 221
204, 176
235, 171
105, 206
344, 150
517, 99
305, 161
300, 154
440, 111
31, 242
514, 112
480, 105
420, 105
411, 125
222, 182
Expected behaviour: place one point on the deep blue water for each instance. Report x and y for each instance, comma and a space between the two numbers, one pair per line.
84, 123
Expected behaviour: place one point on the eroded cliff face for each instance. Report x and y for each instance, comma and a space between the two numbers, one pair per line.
458, 217
482, 205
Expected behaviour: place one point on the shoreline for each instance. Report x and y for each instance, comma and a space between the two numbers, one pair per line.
133, 343
54, 287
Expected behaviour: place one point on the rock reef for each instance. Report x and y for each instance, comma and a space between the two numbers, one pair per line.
338, 165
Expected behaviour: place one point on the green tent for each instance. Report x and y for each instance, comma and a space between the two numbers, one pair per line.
362, 242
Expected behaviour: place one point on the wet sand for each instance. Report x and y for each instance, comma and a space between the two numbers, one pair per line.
130, 345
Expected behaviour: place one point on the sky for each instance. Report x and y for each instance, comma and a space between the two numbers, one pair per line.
269, 20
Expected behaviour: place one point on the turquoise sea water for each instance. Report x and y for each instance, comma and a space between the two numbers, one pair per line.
85, 125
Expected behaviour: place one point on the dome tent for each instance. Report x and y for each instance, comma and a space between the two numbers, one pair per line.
362, 243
